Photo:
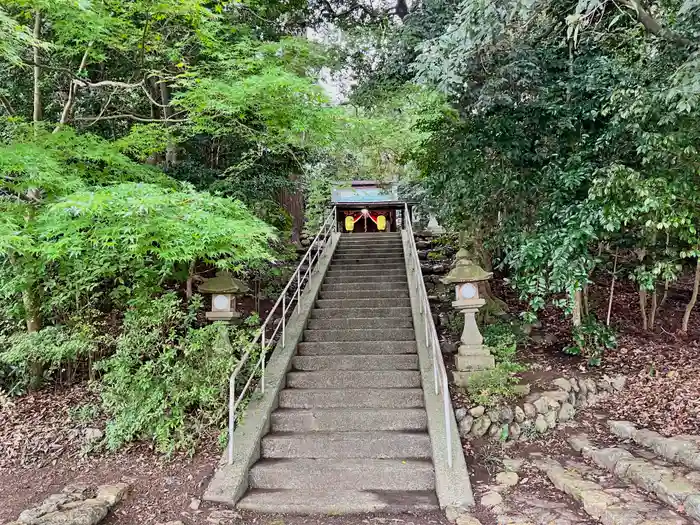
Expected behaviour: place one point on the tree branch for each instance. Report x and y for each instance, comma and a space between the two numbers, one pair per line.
7, 105
653, 26
138, 118
72, 89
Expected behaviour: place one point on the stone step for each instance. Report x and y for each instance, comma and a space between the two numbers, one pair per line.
671, 485
349, 420
360, 313
369, 334
337, 502
683, 449
366, 275
366, 255
611, 505
336, 445
363, 303
349, 348
363, 263
355, 362
364, 322
354, 379
344, 474
364, 294
351, 398
370, 235
359, 286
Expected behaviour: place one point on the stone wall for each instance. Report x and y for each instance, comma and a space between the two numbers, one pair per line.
539, 412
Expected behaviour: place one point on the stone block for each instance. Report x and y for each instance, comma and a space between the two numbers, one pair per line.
566, 412
596, 501
622, 429
647, 438
675, 490
692, 506
608, 457
465, 363
646, 475
563, 384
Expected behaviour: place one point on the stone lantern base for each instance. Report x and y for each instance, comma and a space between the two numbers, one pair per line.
230, 317
471, 359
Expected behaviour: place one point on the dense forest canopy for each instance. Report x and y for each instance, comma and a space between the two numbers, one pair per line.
146, 144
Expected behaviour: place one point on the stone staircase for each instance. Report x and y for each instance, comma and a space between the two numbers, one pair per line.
350, 433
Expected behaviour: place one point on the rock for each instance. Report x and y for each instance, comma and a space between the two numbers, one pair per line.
493, 415
590, 386
692, 506
495, 430
491, 499
540, 424
595, 502
506, 415
674, 491
530, 410
465, 426
519, 415
477, 411
580, 443
574, 385
566, 412
559, 396
592, 399
467, 519
563, 384
648, 438
583, 387
452, 513
509, 479
481, 426
80, 490
619, 382
608, 457
551, 419
521, 390
542, 405
460, 413
195, 503
171, 523
93, 435
112, 494
604, 385
514, 431
622, 429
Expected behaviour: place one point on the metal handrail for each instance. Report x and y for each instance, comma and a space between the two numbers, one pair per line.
312, 255
431, 337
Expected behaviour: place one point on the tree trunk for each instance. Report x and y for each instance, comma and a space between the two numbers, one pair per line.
643, 308
693, 298
171, 150
612, 288
33, 320
586, 311
190, 278
652, 311
38, 110
293, 202
578, 308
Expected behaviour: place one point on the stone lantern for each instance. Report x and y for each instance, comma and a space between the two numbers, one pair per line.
472, 355
223, 289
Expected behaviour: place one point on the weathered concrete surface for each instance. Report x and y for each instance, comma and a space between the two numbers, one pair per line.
452, 484
231, 481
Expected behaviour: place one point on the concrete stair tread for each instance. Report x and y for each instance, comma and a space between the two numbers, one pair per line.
378, 444
352, 348
343, 419
340, 323
354, 379
360, 334
343, 474
312, 398
337, 502
355, 362
363, 294
361, 313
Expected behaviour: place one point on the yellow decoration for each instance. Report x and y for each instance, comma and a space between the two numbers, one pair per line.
381, 223
349, 223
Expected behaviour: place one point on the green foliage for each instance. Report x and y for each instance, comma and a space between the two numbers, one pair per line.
54, 347
502, 341
167, 382
591, 340
490, 387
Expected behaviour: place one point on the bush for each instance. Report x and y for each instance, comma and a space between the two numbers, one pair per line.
502, 341
489, 387
591, 340
53, 347
168, 380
